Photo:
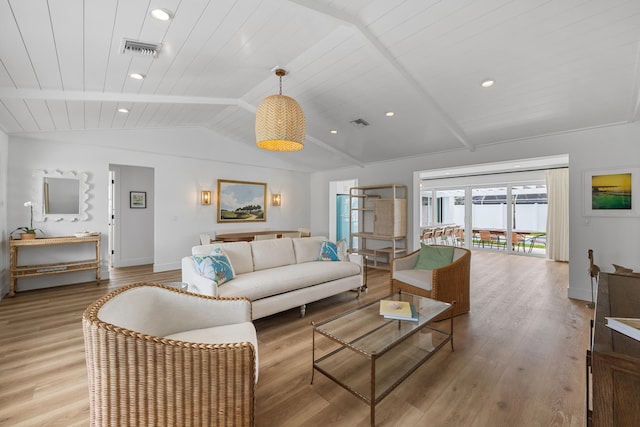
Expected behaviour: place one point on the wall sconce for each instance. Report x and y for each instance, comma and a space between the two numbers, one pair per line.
205, 197
276, 199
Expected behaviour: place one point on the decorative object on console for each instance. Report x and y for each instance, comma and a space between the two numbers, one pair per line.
624, 270
28, 232
276, 199
242, 201
205, 198
280, 122
627, 326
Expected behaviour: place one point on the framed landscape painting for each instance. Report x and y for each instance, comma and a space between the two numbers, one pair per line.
614, 192
241, 201
137, 199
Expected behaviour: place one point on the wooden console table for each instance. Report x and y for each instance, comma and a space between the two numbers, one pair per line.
614, 358
18, 271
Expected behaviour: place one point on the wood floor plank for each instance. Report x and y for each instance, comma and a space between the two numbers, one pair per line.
518, 359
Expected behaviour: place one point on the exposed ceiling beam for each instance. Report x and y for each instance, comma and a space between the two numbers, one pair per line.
446, 119
59, 95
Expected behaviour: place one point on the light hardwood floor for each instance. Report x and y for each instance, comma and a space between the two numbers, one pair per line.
518, 360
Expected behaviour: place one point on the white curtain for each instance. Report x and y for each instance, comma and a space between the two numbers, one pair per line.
558, 214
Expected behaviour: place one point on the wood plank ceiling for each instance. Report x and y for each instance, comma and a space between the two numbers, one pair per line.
559, 66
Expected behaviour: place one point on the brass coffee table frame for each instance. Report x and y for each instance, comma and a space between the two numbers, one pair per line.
366, 333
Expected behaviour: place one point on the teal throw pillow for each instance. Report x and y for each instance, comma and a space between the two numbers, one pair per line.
215, 266
330, 251
432, 257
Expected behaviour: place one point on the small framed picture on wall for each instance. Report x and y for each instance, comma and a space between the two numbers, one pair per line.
137, 199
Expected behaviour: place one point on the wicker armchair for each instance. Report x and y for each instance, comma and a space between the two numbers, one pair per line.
448, 283
159, 356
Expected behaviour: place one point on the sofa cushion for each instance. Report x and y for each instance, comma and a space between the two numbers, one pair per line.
215, 266
272, 253
235, 333
307, 248
239, 254
418, 278
266, 283
432, 257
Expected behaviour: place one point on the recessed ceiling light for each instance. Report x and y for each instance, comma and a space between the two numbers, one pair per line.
488, 83
136, 76
334, 131
161, 14
389, 113
123, 110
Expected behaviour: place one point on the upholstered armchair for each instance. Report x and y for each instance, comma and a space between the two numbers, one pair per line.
448, 283
159, 356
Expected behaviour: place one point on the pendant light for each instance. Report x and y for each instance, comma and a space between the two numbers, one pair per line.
280, 122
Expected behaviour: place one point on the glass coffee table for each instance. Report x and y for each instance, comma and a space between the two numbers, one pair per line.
370, 355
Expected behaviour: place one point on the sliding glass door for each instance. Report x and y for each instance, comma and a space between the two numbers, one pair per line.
506, 217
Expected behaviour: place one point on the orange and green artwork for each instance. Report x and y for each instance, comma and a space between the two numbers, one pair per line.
611, 191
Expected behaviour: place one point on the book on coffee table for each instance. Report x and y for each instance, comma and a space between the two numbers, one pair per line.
398, 310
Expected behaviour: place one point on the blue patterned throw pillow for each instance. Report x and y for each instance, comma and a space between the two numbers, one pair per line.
329, 251
215, 266
333, 251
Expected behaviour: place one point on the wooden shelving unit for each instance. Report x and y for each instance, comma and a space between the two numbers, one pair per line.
378, 228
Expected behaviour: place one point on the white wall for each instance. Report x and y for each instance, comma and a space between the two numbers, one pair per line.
184, 160
614, 240
4, 230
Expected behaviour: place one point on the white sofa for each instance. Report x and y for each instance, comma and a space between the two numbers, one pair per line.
277, 274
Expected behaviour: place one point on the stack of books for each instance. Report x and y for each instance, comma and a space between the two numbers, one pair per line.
398, 310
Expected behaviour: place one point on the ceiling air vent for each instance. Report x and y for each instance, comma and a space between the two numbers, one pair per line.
359, 123
140, 48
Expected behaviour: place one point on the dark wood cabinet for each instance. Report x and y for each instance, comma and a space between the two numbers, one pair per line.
614, 358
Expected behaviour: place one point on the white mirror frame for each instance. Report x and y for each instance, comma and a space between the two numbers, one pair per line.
38, 196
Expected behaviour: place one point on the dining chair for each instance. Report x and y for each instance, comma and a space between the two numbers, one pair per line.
437, 236
486, 237
265, 236
517, 240
458, 236
426, 236
292, 234
447, 236
304, 231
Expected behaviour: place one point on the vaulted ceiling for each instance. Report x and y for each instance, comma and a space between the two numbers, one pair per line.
558, 66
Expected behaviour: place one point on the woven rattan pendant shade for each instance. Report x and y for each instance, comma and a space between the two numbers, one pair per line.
280, 123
